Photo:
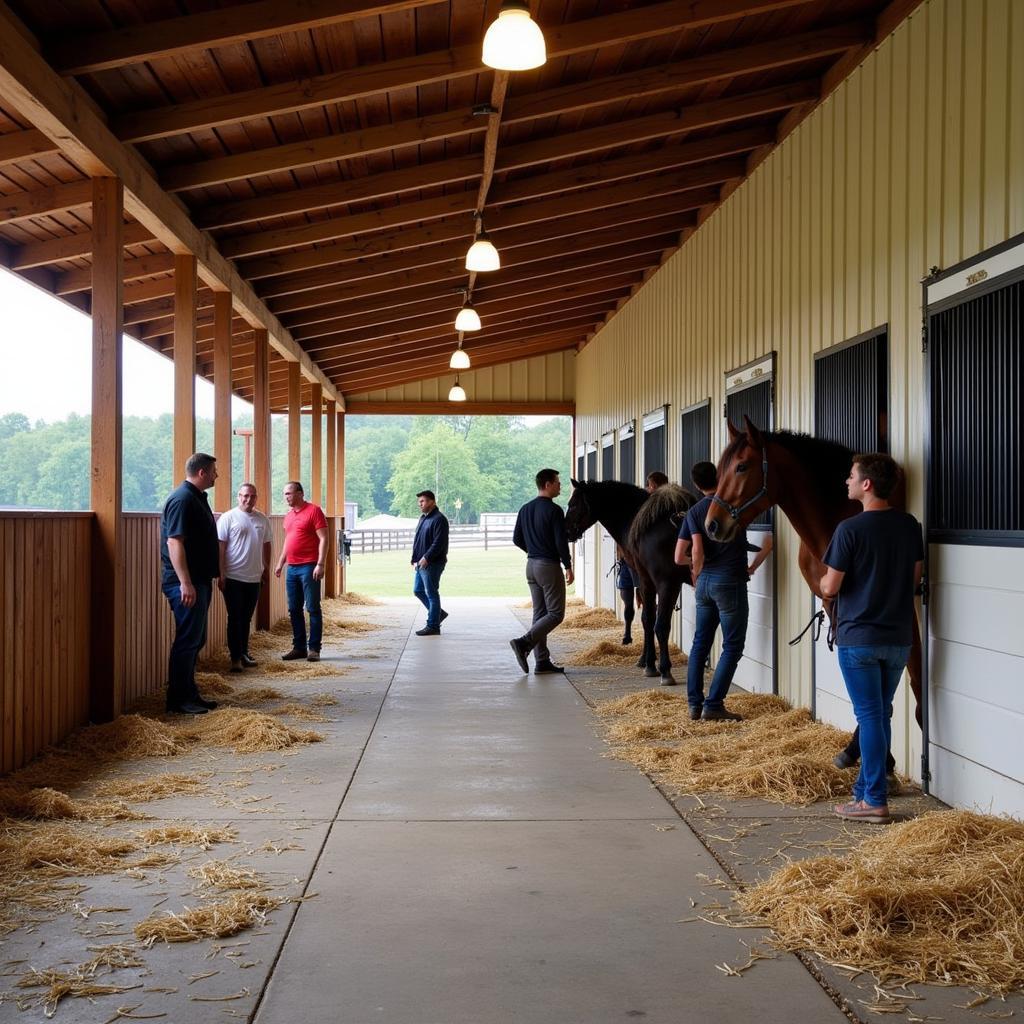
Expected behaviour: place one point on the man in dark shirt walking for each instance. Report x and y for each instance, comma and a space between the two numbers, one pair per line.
540, 532
190, 554
429, 558
873, 566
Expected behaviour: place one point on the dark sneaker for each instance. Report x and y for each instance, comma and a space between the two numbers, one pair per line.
313, 656
187, 707
843, 760
719, 715
204, 703
543, 668
236, 666
249, 661
295, 655
444, 615
520, 650
860, 811
428, 631
695, 712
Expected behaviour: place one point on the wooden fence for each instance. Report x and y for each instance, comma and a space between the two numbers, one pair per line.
365, 542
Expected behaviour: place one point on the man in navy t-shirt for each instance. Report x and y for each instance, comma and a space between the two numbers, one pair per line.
874, 564
720, 574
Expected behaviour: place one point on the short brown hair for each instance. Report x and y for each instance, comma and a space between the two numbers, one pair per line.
657, 478
880, 469
197, 462
545, 477
704, 475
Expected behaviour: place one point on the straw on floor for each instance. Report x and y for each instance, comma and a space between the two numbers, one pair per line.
210, 921
937, 899
609, 653
247, 732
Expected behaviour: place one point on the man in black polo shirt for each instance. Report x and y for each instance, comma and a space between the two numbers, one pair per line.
190, 553
429, 557
540, 532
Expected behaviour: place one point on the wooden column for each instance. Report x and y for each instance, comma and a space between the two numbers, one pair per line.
184, 363
223, 492
106, 689
340, 494
330, 502
261, 451
294, 422
316, 448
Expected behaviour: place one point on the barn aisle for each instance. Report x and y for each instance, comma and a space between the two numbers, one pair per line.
489, 864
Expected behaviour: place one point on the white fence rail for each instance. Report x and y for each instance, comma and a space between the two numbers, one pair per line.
365, 542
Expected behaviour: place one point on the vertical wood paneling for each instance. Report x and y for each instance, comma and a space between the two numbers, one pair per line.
44, 612
916, 160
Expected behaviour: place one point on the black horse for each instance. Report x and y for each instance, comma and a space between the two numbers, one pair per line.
645, 527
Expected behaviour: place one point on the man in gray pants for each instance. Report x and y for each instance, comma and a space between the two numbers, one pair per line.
540, 532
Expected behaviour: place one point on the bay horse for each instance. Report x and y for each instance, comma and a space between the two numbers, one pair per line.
806, 478
643, 526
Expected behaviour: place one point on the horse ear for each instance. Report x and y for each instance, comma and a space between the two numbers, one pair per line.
575, 483
733, 432
752, 432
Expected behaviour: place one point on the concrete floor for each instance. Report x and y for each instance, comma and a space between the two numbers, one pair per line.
467, 853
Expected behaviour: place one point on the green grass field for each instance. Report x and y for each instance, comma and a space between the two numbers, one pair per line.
471, 572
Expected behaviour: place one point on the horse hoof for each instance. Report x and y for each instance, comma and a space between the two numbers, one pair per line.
668, 680
651, 673
626, 640
641, 662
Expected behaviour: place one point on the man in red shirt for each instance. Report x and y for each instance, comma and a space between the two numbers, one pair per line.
305, 551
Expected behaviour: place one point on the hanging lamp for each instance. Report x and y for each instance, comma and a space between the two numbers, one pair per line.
482, 256
514, 41
459, 359
468, 319
457, 393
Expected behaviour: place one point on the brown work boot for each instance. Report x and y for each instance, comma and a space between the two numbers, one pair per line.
294, 655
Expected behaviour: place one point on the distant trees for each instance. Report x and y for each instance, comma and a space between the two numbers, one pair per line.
487, 461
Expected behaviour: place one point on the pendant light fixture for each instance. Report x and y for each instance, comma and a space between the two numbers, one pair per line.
457, 393
459, 359
482, 256
468, 319
514, 41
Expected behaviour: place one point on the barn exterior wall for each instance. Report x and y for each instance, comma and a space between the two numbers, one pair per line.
915, 161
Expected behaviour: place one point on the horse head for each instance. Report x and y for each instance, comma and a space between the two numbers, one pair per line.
743, 492
579, 516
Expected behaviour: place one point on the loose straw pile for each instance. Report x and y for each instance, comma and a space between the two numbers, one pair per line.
182, 834
210, 921
936, 899
248, 732
588, 618
362, 600
81, 981
776, 753
609, 653
46, 804
219, 874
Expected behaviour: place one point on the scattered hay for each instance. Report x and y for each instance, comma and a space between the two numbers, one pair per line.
81, 980
212, 921
214, 683
46, 804
179, 834
153, 787
607, 653
323, 700
219, 874
248, 732
56, 850
776, 753
363, 600
936, 899
294, 710
257, 695
268, 650
128, 738
589, 618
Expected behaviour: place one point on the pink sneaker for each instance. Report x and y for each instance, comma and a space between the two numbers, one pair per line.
860, 811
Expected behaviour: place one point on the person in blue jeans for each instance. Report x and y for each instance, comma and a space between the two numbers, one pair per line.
873, 565
429, 558
720, 572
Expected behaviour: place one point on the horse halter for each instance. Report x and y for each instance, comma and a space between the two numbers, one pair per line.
737, 512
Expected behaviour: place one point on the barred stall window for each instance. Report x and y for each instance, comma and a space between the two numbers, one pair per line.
655, 454
608, 457
754, 401
851, 393
627, 454
695, 433
591, 461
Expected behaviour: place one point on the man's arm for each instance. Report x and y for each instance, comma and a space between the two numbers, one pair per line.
321, 555
562, 545
697, 557
830, 583
918, 574
176, 551
517, 534
682, 555
766, 549
439, 542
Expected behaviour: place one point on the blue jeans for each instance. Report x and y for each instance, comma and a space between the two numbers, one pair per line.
302, 589
872, 674
425, 587
189, 638
719, 601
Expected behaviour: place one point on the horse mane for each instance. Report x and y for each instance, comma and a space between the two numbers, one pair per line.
613, 490
828, 462
664, 502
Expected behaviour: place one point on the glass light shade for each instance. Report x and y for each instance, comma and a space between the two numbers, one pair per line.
468, 319
514, 42
457, 394
459, 360
482, 255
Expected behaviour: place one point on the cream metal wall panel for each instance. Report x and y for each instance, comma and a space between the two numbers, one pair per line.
548, 378
916, 160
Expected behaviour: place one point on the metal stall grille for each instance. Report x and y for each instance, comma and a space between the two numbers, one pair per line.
655, 458
695, 440
608, 457
627, 454
591, 461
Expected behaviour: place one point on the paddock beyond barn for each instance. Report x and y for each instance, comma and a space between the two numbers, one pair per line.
806, 212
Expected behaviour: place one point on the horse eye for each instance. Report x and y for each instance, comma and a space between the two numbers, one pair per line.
741, 468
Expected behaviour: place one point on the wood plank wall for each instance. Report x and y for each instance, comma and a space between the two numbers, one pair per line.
44, 641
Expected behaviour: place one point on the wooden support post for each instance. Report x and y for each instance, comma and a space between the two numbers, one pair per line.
184, 363
261, 450
223, 493
340, 496
316, 448
294, 422
330, 502
106, 688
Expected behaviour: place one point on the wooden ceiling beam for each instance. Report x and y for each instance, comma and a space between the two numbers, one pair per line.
424, 69
39, 202
24, 145
86, 53
155, 309
69, 247
80, 280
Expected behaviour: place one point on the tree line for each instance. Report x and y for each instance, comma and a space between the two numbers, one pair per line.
485, 463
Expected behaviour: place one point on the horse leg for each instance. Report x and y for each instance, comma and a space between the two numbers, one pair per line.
628, 614
667, 596
647, 617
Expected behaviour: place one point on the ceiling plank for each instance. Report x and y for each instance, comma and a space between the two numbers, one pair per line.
80, 280
540, 408
427, 68
23, 145
68, 247
42, 201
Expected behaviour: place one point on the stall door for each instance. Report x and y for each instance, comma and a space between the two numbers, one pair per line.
749, 392
654, 450
975, 532
582, 559
607, 581
695, 445
850, 406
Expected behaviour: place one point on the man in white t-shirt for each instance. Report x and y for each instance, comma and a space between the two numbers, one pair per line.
244, 536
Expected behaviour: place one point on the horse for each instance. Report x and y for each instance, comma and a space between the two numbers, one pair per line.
806, 478
644, 527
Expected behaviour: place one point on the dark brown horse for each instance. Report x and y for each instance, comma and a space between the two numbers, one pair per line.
645, 527
806, 478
